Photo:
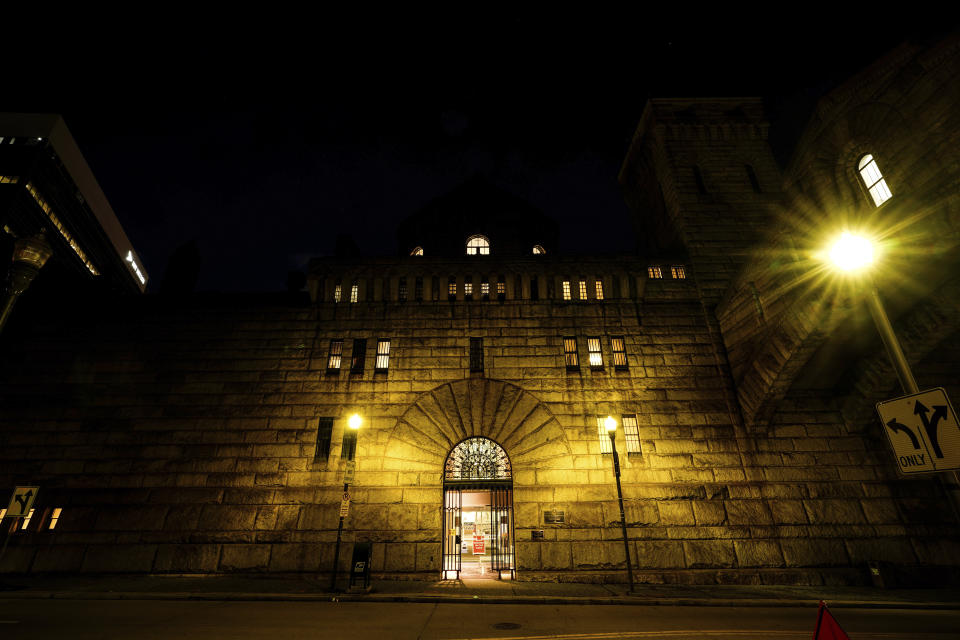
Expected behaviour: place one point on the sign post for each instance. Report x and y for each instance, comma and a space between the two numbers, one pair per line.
348, 473
21, 502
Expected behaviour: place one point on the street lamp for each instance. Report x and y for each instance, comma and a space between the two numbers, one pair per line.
610, 424
353, 423
29, 256
852, 253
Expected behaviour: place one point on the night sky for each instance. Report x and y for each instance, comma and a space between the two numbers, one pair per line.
262, 139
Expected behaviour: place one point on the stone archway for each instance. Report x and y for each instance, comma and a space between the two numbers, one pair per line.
416, 448
440, 418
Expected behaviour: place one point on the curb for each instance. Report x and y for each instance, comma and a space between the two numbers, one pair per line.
468, 599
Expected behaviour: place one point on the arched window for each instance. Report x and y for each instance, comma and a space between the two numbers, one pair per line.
477, 459
873, 180
478, 245
417, 251
538, 250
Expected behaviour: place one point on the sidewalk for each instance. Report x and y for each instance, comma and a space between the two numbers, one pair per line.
121, 587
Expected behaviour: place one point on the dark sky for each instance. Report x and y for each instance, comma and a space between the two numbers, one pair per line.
262, 138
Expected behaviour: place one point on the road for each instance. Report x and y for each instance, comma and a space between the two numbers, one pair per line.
149, 619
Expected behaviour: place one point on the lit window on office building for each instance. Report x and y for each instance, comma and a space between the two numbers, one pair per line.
873, 180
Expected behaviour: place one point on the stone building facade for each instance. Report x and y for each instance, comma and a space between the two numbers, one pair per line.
211, 435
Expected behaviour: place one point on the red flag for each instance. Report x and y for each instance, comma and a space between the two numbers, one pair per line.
827, 626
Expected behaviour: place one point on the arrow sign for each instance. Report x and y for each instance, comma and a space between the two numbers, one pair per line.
896, 426
21, 501
930, 424
939, 412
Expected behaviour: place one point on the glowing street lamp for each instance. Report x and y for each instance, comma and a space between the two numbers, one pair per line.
853, 254
353, 422
610, 424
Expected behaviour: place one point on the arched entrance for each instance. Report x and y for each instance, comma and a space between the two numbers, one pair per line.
478, 511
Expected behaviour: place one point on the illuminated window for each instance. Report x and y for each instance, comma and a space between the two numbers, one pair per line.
26, 520
354, 292
678, 272
570, 357
348, 450
418, 289
501, 288
9, 179
873, 180
402, 291
452, 288
566, 289
335, 356
485, 289
618, 346
478, 245
583, 289
596, 356
631, 433
468, 289
538, 250
603, 435
417, 251
383, 354
359, 355
337, 292
599, 289
654, 272
476, 355
324, 436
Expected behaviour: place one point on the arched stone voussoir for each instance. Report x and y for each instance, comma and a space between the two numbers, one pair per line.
440, 418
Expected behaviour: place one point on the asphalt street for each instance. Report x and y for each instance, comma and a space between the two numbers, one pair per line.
209, 620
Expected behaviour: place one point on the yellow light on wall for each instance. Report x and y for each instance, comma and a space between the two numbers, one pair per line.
851, 252
355, 421
610, 424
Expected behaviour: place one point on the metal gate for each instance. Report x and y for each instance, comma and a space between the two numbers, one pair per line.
452, 503
501, 531
501, 528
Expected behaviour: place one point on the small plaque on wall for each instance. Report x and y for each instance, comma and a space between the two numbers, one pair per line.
553, 517
536, 535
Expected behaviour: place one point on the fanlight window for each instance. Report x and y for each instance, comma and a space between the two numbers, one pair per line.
477, 459
417, 251
873, 180
538, 250
478, 245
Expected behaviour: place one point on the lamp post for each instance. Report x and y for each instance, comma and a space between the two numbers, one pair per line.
611, 426
29, 256
353, 423
852, 253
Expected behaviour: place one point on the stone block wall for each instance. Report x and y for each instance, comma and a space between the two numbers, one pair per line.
183, 440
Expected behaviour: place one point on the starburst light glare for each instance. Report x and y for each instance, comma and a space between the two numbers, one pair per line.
851, 252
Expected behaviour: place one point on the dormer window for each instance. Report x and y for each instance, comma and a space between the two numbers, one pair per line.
417, 251
478, 245
873, 180
538, 250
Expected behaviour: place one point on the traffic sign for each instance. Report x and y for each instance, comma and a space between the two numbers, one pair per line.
923, 431
345, 505
348, 471
21, 501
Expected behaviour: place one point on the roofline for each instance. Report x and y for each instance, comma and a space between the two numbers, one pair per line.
52, 127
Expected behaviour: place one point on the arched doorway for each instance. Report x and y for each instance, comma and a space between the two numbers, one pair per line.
478, 511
